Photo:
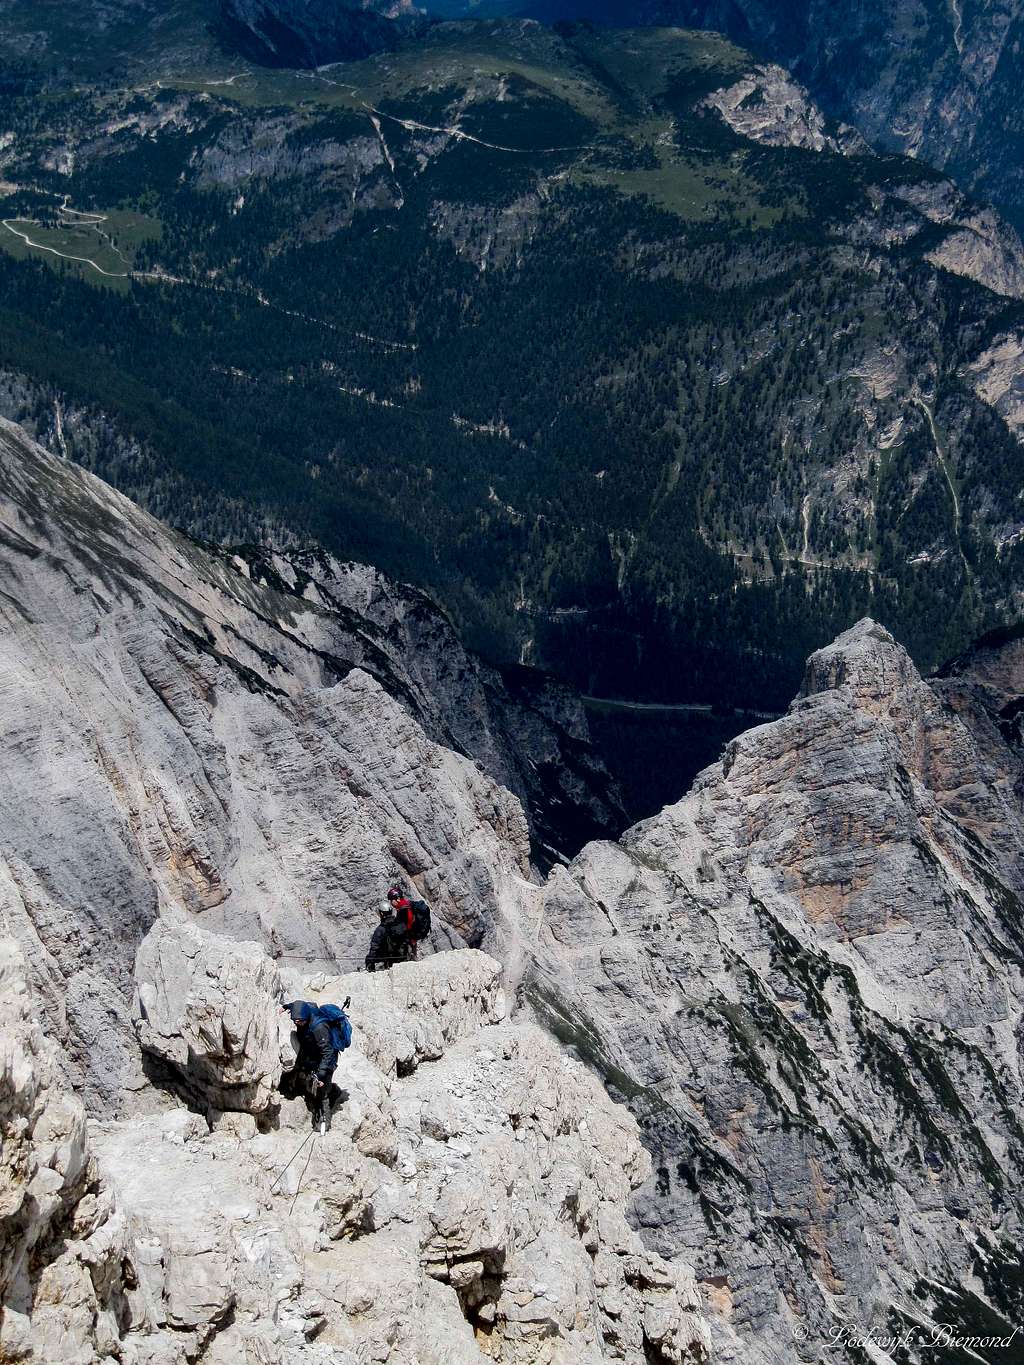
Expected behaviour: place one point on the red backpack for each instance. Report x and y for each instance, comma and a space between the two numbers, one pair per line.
414, 917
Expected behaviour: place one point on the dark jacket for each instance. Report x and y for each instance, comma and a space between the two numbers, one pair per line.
317, 1055
388, 945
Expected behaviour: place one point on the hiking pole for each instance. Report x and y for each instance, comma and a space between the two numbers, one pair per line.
300, 1147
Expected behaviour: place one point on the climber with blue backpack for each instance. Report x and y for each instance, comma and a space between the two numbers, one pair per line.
324, 1032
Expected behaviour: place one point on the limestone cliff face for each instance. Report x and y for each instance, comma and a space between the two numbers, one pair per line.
184, 737
804, 979
525, 729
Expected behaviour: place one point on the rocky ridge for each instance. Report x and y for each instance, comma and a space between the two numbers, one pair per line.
767, 106
466, 1205
525, 729
210, 782
804, 979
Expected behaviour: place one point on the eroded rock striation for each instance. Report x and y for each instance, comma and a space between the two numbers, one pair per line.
804, 979
224, 736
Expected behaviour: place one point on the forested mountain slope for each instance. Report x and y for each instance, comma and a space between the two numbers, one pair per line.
656, 377
933, 79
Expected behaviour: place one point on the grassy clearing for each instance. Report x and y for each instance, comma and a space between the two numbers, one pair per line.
353, 85
694, 191
99, 248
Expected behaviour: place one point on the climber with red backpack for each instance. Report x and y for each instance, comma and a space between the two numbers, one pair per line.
403, 923
412, 916
323, 1032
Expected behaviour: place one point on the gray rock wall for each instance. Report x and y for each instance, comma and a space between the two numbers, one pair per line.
804, 979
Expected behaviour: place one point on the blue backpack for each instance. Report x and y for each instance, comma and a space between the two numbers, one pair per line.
338, 1022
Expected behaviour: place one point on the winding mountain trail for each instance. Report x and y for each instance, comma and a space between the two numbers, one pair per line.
90, 219
947, 474
9, 224
412, 125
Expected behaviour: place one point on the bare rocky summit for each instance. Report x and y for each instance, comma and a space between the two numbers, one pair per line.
804, 980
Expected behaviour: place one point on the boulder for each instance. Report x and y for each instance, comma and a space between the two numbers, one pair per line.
208, 1010
413, 1012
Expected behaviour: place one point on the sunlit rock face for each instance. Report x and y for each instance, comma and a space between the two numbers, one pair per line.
803, 979
806, 979
261, 743
471, 1208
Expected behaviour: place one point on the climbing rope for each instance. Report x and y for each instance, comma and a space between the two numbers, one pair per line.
300, 1147
305, 1168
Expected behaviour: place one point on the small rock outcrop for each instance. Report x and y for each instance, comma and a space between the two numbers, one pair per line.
209, 1010
767, 106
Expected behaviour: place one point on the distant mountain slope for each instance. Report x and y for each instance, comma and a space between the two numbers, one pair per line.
307, 33
613, 339
938, 79
90, 39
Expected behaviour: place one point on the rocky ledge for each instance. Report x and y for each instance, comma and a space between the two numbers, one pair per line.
468, 1203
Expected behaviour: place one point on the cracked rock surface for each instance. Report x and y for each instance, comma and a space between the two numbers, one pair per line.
805, 980
472, 1209
191, 733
